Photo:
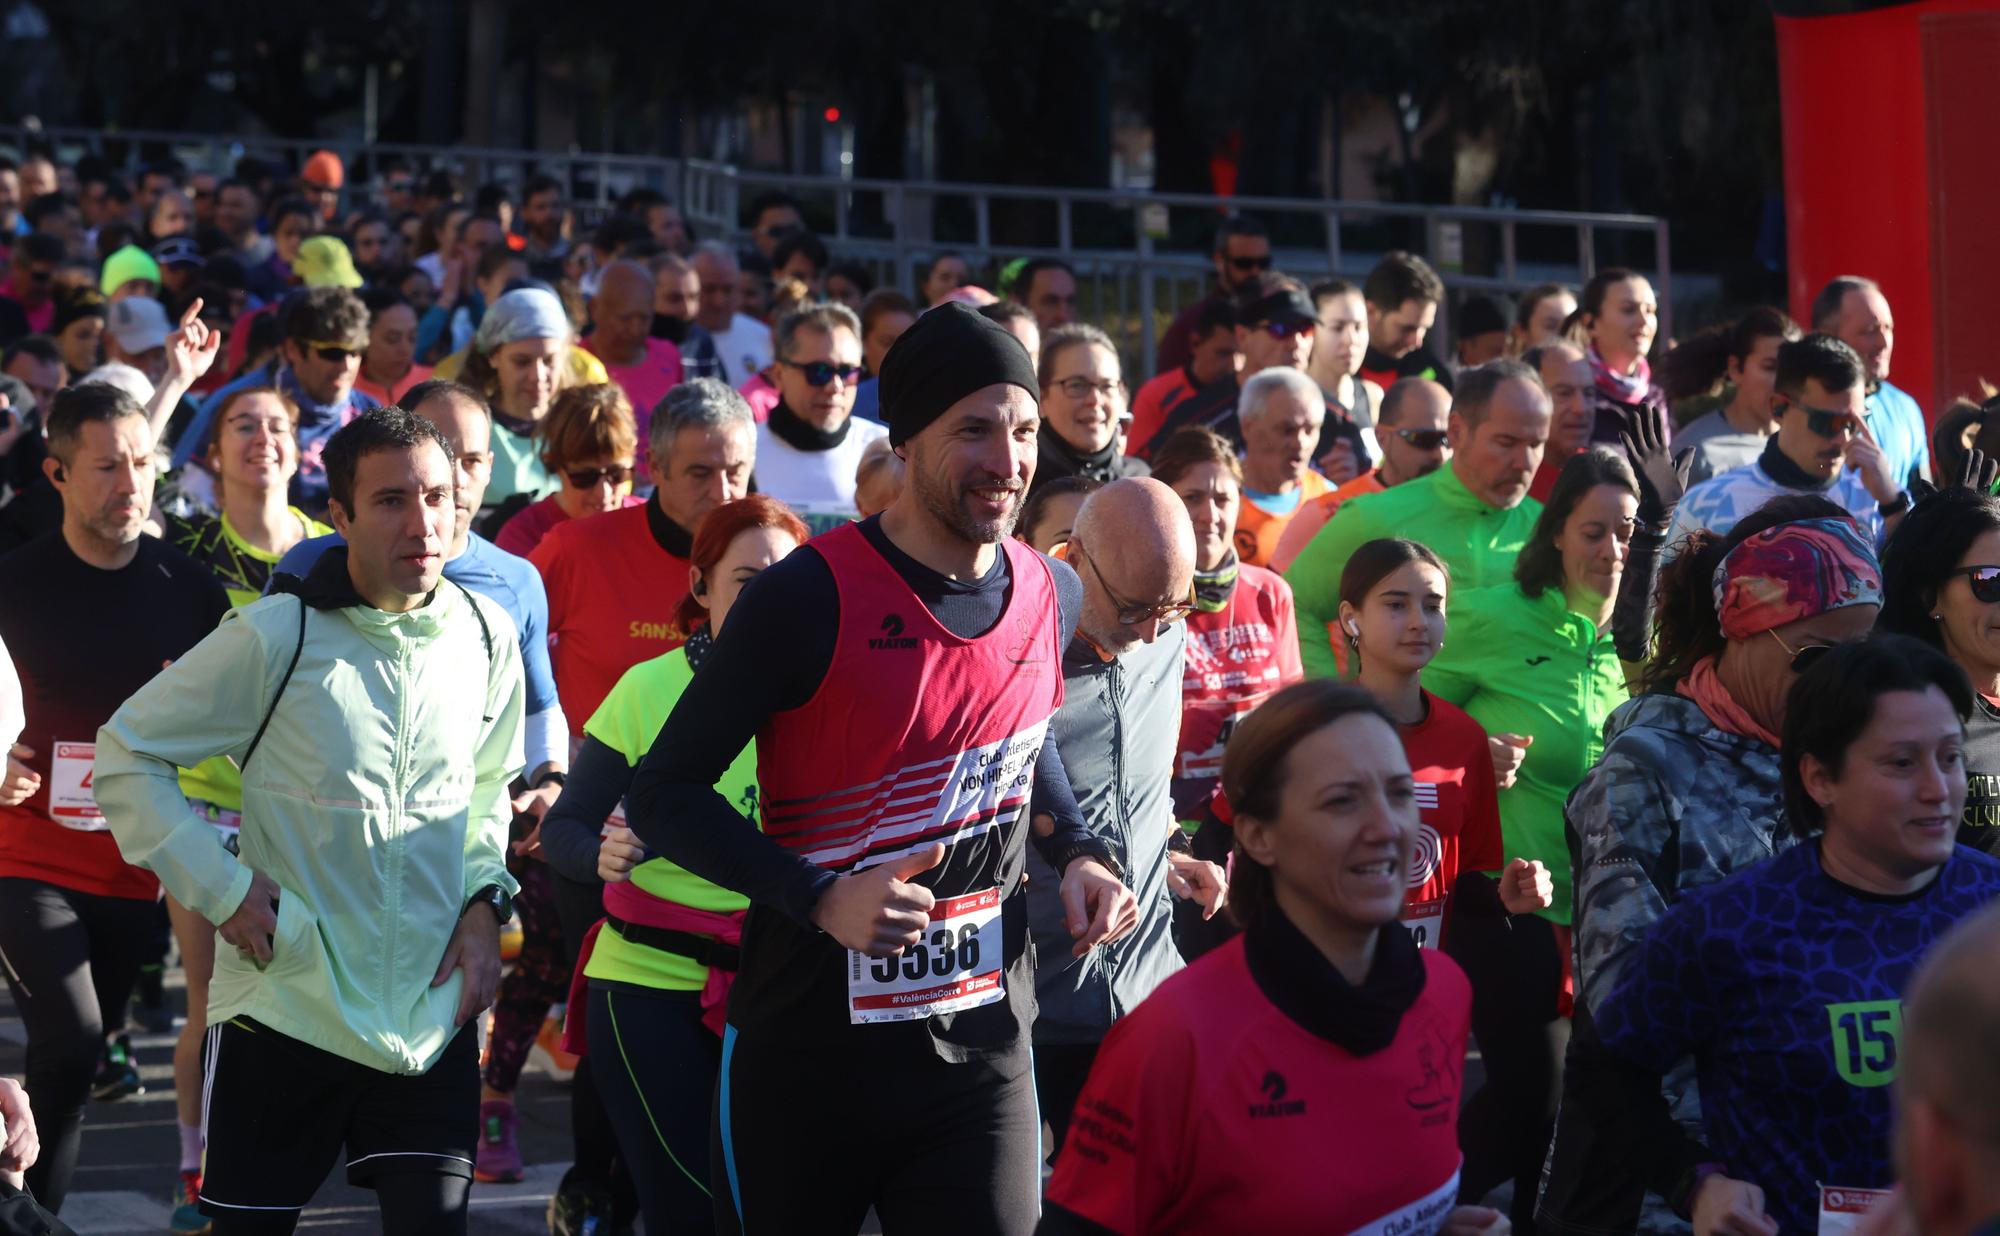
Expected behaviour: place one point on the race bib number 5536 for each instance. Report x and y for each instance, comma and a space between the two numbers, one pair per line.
957, 965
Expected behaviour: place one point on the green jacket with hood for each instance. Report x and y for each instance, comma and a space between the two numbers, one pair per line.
376, 799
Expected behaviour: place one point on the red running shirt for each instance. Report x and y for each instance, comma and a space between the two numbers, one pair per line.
1209, 1110
612, 594
1237, 657
1459, 808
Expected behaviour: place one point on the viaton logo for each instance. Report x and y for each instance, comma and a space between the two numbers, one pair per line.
892, 635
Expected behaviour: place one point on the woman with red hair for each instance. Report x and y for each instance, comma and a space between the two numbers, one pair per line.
647, 999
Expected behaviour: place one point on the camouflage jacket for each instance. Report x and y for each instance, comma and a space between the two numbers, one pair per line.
1674, 803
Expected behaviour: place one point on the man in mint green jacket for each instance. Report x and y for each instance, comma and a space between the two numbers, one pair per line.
1475, 512
376, 714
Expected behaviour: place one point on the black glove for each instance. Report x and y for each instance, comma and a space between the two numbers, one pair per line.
1980, 472
1662, 478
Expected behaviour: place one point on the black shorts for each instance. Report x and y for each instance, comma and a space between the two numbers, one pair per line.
279, 1112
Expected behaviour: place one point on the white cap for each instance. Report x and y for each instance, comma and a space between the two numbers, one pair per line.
138, 323
122, 376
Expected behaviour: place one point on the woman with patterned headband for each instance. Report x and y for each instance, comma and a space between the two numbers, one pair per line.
1686, 793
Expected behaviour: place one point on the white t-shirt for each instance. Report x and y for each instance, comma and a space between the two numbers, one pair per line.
13, 713
818, 485
745, 349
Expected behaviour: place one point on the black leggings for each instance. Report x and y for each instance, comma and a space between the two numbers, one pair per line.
808, 1137
70, 960
1516, 967
413, 1204
1060, 1071
655, 1063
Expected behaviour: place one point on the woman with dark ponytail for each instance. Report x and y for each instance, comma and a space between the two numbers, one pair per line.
1687, 792
1746, 354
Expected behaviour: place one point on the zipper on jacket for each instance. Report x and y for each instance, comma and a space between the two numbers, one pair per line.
1114, 683
393, 828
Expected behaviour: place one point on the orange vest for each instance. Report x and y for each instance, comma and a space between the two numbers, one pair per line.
1257, 530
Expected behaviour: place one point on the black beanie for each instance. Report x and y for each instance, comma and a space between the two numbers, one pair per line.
950, 352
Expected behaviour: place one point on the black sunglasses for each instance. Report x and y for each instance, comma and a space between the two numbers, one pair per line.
1824, 423
1804, 658
819, 373
1424, 439
1285, 329
335, 355
1985, 582
1246, 265
587, 478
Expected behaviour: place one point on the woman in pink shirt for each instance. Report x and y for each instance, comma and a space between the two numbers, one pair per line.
588, 442
388, 364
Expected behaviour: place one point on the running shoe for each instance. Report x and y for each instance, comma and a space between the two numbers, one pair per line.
187, 1219
582, 1207
561, 1065
117, 1076
498, 1159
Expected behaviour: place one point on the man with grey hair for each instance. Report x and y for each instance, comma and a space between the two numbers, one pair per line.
741, 342
615, 579
1853, 310
1410, 436
1476, 512
1117, 731
1279, 416
810, 448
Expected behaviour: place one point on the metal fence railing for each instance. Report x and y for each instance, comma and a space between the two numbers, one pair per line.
1139, 257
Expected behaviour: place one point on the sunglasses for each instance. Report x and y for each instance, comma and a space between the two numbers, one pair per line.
1130, 615
1285, 330
1804, 658
819, 373
333, 353
1080, 387
1424, 439
1827, 424
1985, 582
1246, 265
588, 478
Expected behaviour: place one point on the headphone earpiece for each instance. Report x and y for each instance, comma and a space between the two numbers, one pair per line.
61, 474
701, 588
1353, 632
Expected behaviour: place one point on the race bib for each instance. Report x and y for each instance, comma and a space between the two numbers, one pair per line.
1425, 919
957, 965
1842, 1210
71, 801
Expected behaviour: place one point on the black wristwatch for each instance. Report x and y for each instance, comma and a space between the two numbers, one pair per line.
495, 896
553, 776
1895, 506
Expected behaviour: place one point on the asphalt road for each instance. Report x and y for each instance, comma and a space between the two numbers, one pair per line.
126, 1172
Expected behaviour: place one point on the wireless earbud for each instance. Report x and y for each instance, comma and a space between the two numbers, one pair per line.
1353, 632
60, 473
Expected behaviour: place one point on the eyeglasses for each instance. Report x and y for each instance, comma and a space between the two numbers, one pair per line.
1804, 658
589, 478
1246, 265
333, 353
1423, 439
1825, 423
1130, 615
819, 373
1080, 387
1285, 329
1985, 582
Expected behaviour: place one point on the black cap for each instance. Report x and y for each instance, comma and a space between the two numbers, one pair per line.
1482, 315
1286, 304
950, 352
178, 251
